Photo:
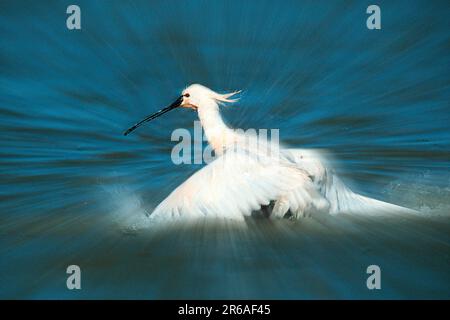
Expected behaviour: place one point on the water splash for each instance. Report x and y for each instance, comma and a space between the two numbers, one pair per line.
126, 209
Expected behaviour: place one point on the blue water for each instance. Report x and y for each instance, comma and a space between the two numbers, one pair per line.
74, 190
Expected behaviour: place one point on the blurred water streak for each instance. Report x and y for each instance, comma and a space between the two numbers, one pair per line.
73, 189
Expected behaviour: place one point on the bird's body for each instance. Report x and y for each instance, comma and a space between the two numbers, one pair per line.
250, 174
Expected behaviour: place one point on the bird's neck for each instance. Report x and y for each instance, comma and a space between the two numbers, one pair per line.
218, 134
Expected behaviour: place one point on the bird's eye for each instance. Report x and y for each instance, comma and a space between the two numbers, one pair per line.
187, 95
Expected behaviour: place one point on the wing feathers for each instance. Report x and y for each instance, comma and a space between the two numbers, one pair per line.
232, 186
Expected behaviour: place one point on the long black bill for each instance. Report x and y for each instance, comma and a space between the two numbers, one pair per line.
174, 105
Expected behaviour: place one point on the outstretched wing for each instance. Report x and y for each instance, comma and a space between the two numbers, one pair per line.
339, 197
231, 187
342, 199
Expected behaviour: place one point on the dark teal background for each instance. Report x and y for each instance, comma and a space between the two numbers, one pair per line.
73, 189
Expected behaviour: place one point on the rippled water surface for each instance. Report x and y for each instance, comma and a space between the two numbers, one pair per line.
73, 190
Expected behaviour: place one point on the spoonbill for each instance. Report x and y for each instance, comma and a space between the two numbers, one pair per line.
241, 181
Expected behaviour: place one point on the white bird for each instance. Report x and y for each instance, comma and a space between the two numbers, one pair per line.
246, 178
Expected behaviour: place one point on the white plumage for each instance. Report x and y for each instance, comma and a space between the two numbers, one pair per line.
246, 177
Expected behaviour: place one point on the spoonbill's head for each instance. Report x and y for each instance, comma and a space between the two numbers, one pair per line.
197, 96
194, 97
